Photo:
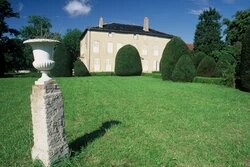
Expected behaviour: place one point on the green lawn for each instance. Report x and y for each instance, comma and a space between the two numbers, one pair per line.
134, 121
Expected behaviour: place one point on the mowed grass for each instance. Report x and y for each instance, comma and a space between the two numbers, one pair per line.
133, 121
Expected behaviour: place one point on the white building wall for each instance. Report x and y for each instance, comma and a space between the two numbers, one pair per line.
150, 49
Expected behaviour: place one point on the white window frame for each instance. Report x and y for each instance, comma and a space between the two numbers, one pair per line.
110, 47
96, 46
97, 64
108, 65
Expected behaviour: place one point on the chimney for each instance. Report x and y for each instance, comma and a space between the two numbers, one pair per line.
146, 24
101, 22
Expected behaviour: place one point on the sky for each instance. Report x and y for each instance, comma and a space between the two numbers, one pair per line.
176, 17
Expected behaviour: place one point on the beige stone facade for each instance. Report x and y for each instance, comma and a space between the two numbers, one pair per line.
99, 46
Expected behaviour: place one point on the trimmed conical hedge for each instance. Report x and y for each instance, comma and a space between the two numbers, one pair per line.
128, 61
206, 67
184, 70
80, 69
171, 54
197, 57
63, 62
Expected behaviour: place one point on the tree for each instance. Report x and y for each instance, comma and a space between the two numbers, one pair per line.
206, 67
5, 12
80, 69
171, 54
72, 42
184, 70
63, 62
245, 61
13, 54
237, 27
208, 32
38, 27
128, 61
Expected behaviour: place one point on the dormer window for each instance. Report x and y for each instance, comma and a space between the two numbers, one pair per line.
136, 36
110, 34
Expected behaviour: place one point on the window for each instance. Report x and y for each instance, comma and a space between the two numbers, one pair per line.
110, 34
96, 46
97, 65
156, 52
108, 65
144, 50
135, 36
110, 47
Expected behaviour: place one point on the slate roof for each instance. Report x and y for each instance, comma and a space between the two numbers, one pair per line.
127, 29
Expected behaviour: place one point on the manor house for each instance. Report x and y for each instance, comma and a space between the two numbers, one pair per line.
99, 45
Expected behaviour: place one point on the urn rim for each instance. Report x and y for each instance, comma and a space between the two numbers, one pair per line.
41, 41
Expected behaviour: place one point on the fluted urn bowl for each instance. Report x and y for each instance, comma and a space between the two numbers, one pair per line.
43, 50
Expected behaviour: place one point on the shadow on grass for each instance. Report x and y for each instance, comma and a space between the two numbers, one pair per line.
83, 141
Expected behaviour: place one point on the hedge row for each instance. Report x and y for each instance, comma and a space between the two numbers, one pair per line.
209, 80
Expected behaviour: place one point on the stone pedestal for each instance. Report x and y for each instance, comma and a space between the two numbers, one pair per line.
48, 124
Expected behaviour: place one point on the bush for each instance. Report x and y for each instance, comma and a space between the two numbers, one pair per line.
184, 70
128, 61
80, 69
223, 64
226, 68
245, 61
206, 67
63, 62
197, 57
171, 54
209, 80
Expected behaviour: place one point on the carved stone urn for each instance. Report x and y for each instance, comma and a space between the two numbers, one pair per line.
43, 50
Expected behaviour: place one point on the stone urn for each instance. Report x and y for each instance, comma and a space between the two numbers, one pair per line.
43, 50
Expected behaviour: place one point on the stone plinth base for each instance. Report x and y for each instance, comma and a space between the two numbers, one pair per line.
48, 124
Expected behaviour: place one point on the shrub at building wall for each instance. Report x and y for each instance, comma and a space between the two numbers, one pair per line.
184, 70
80, 69
245, 61
171, 54
206, 67
63, 62
128, 61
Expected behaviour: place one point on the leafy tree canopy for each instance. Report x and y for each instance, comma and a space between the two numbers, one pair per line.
237, 27
245, 61
208, 32
72, 41
6, 12
38, 27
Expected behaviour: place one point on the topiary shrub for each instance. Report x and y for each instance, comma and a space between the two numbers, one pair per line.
224, 61
128, 61
206, 67
80, 69
63, 62
184, 70
197, 57
245, 61
171, 54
